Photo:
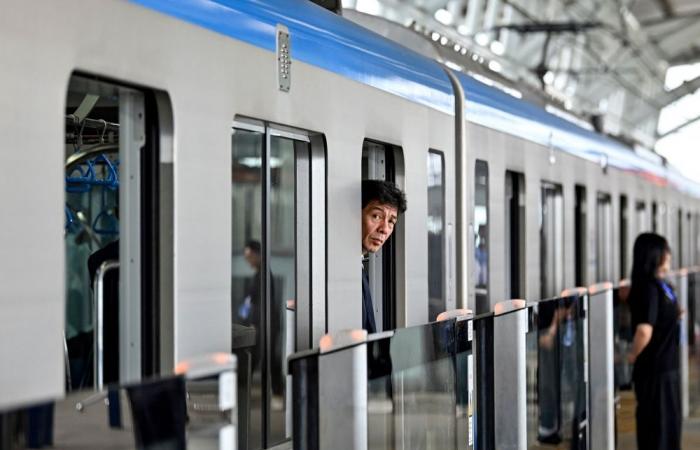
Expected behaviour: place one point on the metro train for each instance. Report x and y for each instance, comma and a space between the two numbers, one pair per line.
215, 150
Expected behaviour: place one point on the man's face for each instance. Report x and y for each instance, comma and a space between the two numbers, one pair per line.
378, 221
252, 257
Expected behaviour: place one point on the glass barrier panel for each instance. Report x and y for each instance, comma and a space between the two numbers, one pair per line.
168, 412
623, 335
548, 381
303, 367
483, 401
557, 389
464, 379
532, 367
572, 333
411, 389
693, 345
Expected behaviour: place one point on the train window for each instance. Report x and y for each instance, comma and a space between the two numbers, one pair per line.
437, 301
481, 236
662, 225
624, 236
696, 239
116, 181
688, 240
641, 217
385, 162
515, 234
278, 306
551, 240
604, 239
580, 230
680, 259
654, 217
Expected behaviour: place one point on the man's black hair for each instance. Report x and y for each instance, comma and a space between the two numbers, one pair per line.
384, 192
254, 246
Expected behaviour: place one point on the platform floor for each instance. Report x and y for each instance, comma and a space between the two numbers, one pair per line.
626, 426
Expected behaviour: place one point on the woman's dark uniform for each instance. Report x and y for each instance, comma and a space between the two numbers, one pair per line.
656, 369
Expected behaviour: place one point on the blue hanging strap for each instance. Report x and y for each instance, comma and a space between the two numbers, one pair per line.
111, 179
106, 223
83, 176
70, 221
72, 224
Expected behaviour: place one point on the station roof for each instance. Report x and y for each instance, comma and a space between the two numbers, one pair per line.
603, 60
673, 26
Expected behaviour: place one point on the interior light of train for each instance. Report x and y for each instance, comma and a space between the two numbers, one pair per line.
482, 39
443, 16
254, 162
548, 77
497, 48
453, 66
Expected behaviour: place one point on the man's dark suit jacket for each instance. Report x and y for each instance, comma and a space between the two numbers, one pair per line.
367, 309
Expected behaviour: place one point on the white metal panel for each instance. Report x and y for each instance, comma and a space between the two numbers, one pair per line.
31, 191
131, 139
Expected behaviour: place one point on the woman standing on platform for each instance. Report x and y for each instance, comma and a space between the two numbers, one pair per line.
655, 314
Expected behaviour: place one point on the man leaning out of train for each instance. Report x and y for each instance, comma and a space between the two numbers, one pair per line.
382, 202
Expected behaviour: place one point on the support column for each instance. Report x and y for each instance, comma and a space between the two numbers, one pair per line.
509, 374
601, 375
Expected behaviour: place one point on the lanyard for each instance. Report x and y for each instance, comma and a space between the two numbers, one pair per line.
668, 291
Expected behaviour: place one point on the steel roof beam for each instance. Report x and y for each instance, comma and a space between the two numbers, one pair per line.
664, 20
666, 7
681, 37
689, 56
687, 88
679, 127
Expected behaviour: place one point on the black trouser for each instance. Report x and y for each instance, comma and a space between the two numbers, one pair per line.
659, 414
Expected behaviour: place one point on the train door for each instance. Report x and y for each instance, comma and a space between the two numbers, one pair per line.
437, 266
551, 240
654, 217
481, 237
384, 162
515, 234
640, 210
624, 236
604, 244
663, 226
113, 221
278, 268
580, 230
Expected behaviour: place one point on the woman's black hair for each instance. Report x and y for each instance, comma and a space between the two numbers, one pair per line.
648, 254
